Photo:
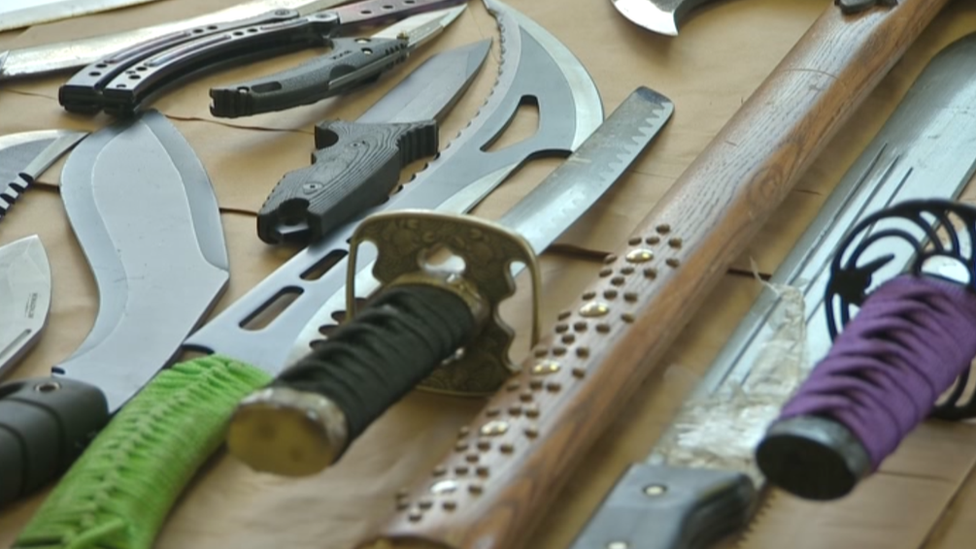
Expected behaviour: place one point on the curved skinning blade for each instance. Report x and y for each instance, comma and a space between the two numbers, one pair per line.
24, 157
144, 212
535, 67
25, 297
660, 16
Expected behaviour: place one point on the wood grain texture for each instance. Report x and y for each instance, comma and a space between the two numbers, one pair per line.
510, 463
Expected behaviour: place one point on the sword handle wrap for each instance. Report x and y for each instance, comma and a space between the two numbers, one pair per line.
354, 167
511, 463
118, 493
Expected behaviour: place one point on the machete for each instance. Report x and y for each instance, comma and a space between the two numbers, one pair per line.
196, 407
705, 460
295, 429
15, 14
25, 156
25, 299
145, 214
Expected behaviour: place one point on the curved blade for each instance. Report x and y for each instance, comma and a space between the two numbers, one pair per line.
660, 16
25, 156
25, 297
145, 214
535, 67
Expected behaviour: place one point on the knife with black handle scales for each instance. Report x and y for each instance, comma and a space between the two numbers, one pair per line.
661, 507
355, 166
354, 62
45, 424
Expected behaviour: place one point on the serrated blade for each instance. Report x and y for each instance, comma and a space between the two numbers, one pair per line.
144, 212
25, 156
534, 65
25, 297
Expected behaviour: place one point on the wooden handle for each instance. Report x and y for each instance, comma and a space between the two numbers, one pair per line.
510, 464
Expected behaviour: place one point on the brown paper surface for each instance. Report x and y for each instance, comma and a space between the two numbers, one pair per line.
723, 53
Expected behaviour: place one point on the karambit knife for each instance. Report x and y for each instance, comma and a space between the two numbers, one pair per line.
25, 299
357, 164
703, 469
15, 14
124, 81
413, 329
145, 214
25, 156
535, 65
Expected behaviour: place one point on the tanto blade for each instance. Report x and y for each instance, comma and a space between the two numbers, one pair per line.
534, 63
25, 297
145, 214
25, 156
660, 16
15, 14
926, 149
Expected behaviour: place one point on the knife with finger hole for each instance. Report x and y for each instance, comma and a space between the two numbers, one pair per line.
142, 208
25, 156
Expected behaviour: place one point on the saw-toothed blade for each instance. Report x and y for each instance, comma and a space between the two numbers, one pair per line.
25, 156
535, 66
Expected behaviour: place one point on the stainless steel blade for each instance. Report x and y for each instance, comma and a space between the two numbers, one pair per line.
78, 53
25, 297
430, 91
926, 149
534, 65
660, 16
25, 156
419, 29
144, 212
15, 14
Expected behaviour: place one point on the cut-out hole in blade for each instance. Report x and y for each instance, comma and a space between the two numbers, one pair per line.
322, 266
267, 313
525, 122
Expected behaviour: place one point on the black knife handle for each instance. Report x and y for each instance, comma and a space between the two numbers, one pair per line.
356, 166
365, 366
661, 507
45, 424
353, 62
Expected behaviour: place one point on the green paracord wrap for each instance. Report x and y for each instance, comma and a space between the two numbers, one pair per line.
119, 492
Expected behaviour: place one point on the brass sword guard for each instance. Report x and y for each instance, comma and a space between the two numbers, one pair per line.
404, 241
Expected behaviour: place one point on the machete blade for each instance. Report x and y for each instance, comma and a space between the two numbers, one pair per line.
25, 297
144, 212
25, 156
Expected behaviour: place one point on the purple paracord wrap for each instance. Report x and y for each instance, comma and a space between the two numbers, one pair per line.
907, 344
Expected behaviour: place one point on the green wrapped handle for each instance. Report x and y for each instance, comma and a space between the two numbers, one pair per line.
119, 492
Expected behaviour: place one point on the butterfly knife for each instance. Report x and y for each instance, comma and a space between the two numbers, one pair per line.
120, 83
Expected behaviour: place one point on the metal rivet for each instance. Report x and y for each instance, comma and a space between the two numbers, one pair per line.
513, 386
609, 259
606, 271
582, 352
603, 328
475, 488
449, 505
425, 504
444, 487
640, 255
594, 309
472, 458
630, 296
532, 411
568, 339
545, 368
579, 372
618, 281
564, 315
580, 326
507, 448
492, 412
461, 446
415, 516
675, 242
664, 228
655, 490
627, 270
495, 428
610, 294
650, 272
461, 470
553, 387
560, 328
531, 432
515, 410
47, 387
673, 262
654, 239
627, 317
535, 384
589, 295
440, 471
481, 471
634, 240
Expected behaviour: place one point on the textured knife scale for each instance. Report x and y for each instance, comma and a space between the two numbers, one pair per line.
115, 494
611, 339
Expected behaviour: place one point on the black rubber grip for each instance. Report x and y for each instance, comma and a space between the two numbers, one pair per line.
45, 424
353, 62
660, 507
355, 167
372, 361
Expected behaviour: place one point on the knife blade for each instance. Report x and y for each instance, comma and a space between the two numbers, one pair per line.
25, 156
263, 431
124, 81
357, 164
703, 472
16, 14
352, 63
25, 297
143, 210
